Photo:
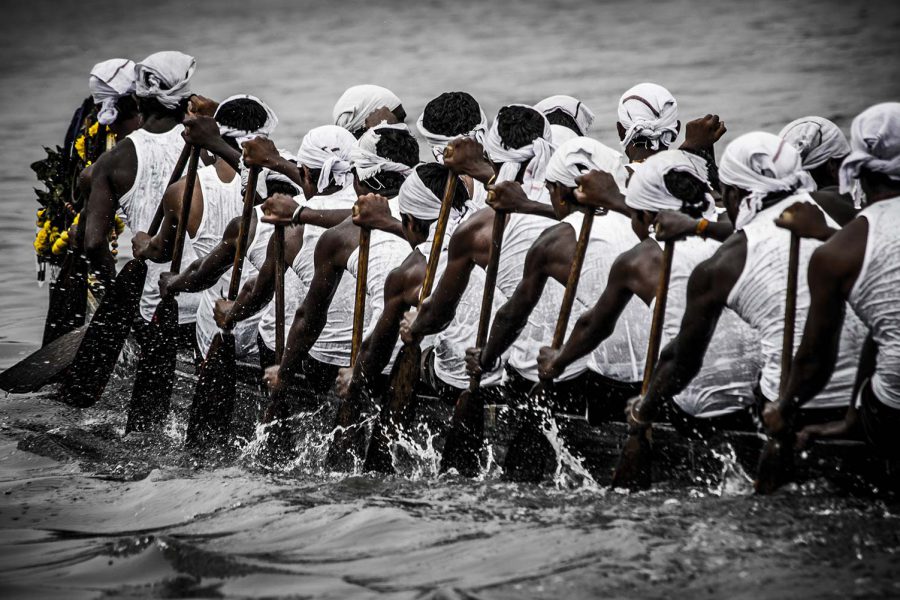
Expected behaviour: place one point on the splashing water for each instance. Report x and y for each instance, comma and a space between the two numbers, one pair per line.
570, 472
734, 480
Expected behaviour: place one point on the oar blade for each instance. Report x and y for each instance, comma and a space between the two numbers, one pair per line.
68, 299
349, 440
776, 465
635, 462
462, 450
527, 456
214, 396
155, 373
43, 366
397, 411
93, 363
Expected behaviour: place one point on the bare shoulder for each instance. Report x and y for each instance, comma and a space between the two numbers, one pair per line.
118, 165
406, 279
476, 228
842, 256
719, 273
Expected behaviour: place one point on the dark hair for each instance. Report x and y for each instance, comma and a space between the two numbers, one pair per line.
397, 145
559, 117
241, 113
519, 125
434, 176
277, 186
451, 113
691, 191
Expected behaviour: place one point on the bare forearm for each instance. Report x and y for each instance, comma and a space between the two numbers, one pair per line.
589, 331
304, 332
508, 324
103, 264
326, 219
200, 275
254, 297
376, 350
672, 374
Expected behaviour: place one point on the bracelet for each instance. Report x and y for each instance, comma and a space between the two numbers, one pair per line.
490, 181
701, 228
634, 423
296, 216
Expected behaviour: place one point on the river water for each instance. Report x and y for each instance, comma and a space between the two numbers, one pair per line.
85, 513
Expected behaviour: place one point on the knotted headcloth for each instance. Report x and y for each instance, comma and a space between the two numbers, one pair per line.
536, 154
242, 135
109, 81
650, 112
816, 139
575, 108
874, 145
165, 76
358, 102
439, 142
364, 154
762, 164
580, 155
327, 148
647, 189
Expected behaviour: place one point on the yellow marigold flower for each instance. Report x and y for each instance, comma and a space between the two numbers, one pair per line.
79, 146
92, 131
120, 225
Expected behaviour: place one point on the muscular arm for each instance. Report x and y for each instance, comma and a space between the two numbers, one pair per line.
707, 293
326, 219
160, 247
550, 256
204, 272
97, 219
634, 272
332, 251
832, 271
469, 245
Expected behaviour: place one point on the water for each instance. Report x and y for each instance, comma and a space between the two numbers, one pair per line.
88, 514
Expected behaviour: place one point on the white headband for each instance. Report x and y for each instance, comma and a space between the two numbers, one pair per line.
537, 154
165, 76
327, 148
580, 155
109, 81
575, 108
875, 145
241, 135
816, 139
439, 142
358, 102
364, 154
650, 112
647, 189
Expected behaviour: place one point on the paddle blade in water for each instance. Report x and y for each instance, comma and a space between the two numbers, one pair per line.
68, 299
41, 367
213, 404
155, 373
349, 439
776, 465
462, 450
635, 462
530, 449
93, 363
397, 410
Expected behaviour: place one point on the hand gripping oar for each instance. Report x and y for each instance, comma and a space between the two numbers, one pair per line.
777, 459
462, 450
155, 374
213, 404
347, 437
638, 444
88, 370
397, 411
530, 448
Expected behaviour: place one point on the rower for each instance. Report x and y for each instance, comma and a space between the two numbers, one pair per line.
112, 84
761, 176
822, 147
133, 175
611, 375
860, 266
361, 107
217, 202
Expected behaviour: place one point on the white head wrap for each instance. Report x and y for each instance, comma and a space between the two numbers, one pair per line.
649, 111
560, 134
273, 176
364, 154
647, 189
417, 200
327, 148
240, 135
109, 81
875, 146
584, 116
816, 139
537, 154
165, 76
438, 142
358, 102
762, 164
580, 155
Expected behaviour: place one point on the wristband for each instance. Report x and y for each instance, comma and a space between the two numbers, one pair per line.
701, 228
296, 216
490, 181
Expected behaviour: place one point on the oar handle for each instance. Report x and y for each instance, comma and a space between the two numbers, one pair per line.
359, 307
180, 164
790, 312
565, 311
490, 285
186, 200
438, 241
659, 314
278, 236
243, 233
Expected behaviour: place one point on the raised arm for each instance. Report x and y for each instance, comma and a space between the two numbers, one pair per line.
204, 272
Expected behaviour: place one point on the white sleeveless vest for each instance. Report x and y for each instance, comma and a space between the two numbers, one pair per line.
758, 297
333, 345
876, 296
156, 154
222, 202
621, 356
733, 359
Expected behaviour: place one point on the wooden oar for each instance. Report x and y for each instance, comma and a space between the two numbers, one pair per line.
155, 374
530, 448
638, 443
213, 403
89, 368
462, 450
68, 298
397, 411
777, 459
348, 440
278, 234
